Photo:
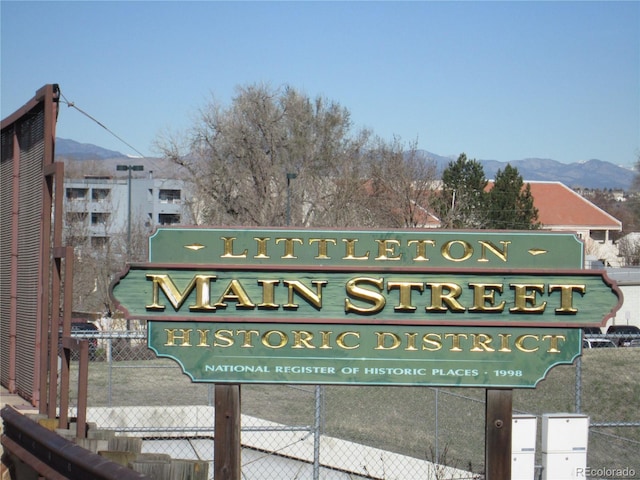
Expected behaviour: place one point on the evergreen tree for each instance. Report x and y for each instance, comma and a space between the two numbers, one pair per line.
510, 206
463, 200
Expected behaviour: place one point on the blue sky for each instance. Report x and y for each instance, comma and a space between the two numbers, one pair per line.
497, 80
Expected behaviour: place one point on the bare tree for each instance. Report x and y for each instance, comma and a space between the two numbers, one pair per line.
402, 185
629, 249
269, 149
100, 253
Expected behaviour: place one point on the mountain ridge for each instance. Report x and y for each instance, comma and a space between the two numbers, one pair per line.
74, 150
591, 174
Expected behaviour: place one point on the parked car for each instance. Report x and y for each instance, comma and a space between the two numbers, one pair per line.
622, 335
591, 331
80, 330
634, 343
591, 342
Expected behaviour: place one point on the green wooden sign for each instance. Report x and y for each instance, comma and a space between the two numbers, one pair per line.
363, 354
414, 307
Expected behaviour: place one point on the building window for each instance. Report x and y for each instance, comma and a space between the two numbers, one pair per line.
169, 196
168, 218
98, 194
77, 193
99, 218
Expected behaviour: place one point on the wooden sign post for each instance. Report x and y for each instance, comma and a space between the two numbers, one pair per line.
228, 448
498, 413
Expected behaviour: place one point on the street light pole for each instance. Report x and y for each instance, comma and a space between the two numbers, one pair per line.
290, 176
129, 168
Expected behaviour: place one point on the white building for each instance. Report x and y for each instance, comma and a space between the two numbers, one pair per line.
628, 279
97, 207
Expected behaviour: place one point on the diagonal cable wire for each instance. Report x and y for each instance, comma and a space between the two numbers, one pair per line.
73, 105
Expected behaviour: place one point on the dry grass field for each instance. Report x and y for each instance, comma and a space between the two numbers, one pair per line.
405, 419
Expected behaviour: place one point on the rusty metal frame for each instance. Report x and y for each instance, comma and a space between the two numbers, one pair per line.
55, 288
48, 97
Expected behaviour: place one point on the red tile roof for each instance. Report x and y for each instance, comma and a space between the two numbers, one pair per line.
559, 206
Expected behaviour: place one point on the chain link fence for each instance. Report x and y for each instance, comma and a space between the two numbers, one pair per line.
354, 432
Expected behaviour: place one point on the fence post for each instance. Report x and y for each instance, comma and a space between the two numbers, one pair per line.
110, 370
579, 385
437, 453
316, 432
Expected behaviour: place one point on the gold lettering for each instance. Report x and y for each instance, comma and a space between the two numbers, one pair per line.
228, 249
283, 339
387, 250
381, 343
326, 340
504, 342
302, 339
355, 291
455, 341
421, 249
520, 343
411, 341
566, 297
480, 343
439, 298
431, 342
467, 250
405, 288
236, 293
501, 254
525, 298
294, 286
553, 342
341, 343
289, 246
247, 342
322, 247
484, 297
261, 247
268, 296
224, 336
204, 337
163, 282
350, 250
172, 337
